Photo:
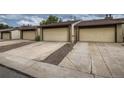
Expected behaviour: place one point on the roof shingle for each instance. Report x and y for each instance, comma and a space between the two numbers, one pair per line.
58, 24
6, 30
100, 22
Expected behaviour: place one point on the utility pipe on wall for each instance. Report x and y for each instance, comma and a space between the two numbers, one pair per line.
72, 31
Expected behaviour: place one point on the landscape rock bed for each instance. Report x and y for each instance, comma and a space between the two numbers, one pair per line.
56, 57
13, 46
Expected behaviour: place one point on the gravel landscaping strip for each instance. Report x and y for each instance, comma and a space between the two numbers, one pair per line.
56, 57
13, 46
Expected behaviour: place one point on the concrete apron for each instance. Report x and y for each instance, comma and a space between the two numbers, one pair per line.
37, 51
86, 58
39, 69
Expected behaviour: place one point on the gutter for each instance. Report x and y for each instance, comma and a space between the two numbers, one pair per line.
73, 36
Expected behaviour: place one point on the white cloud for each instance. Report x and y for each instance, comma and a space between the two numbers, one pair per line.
1, 22
118, 16
32, 20
2, 16
67, 19
35, 19
25, 22
12, 16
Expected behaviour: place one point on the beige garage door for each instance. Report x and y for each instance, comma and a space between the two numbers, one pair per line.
106, 34
55, 34
29, 35
6, 36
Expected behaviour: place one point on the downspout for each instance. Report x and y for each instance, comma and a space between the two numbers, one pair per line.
73, 36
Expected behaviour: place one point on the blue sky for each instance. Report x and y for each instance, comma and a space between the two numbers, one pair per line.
34, 19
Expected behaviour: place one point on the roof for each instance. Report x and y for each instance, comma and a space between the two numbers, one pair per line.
6, 30
100, 22
27, 28
58, 24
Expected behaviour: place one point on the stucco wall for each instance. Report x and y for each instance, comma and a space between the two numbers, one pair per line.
41, 38
0, 35
15, 34
123, 31
119, 33
38, 31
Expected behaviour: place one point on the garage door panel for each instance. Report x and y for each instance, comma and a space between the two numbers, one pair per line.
55, 34
6, 36
29, 35
97, 34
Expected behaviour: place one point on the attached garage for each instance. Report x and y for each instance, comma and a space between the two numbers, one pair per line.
56, 34
29, 35
28, 32
57, 31
102, 30
15, 34
12, 33
97, 34
6, 35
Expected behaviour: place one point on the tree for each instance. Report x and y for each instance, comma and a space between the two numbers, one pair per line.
3, 26
60, 20
50, 19
72, 18
43, 22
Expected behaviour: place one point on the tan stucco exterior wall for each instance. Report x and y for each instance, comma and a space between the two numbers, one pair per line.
15, 34
73, 31
123, 31
38, 31
119, 33
75, 34
0, 35
41, 34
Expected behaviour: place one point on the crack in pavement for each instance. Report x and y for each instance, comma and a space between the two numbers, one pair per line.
104, 60
77, 68
73, 63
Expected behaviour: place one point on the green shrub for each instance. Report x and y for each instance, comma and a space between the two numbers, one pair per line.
37, 38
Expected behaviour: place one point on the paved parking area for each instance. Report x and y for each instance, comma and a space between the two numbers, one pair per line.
0, 40
40, 69
10, 42
85, 60
13, 46
9, 73
37, 51
98, 59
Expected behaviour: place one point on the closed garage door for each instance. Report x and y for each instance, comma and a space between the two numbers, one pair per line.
55, 34
29, 35
6, 36
106, 34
